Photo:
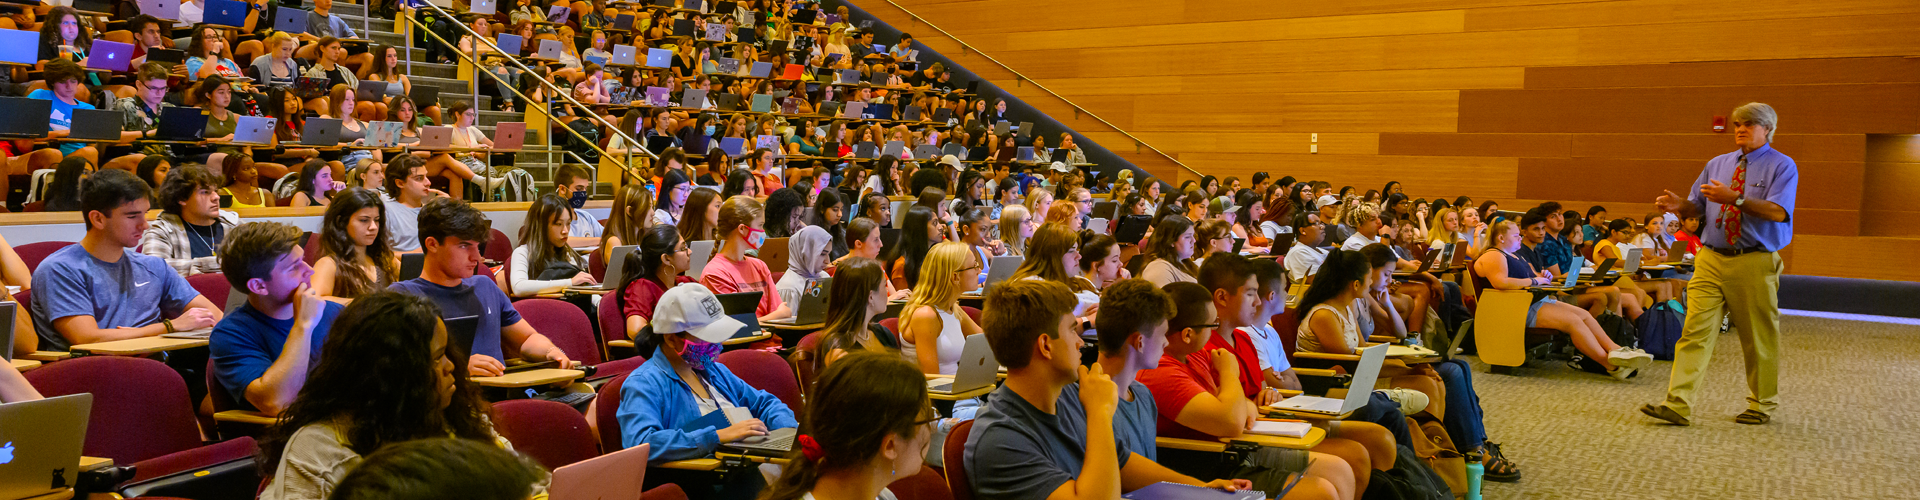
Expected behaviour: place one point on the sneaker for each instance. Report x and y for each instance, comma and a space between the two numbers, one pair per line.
1629, 358
1621, 372
1411, 401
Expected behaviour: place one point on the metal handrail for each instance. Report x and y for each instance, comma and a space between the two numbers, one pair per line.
553, 90
964, 47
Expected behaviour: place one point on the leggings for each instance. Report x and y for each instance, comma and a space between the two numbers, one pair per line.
1464, 418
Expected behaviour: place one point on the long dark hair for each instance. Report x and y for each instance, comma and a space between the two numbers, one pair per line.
693, 216
376, 381
854, 281
656, 242
888, 168
50, 29
541, 254
913, 242
308, 172
63, 193
290, 125
856, 403
1166, 235
1342, 268
737, 182
780, 206
350, 282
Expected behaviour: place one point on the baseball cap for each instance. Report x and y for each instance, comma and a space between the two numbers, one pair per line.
692, 309
951, 161
1223, 205
1060, 166
1327, 201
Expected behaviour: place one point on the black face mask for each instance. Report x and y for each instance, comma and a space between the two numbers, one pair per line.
578, 201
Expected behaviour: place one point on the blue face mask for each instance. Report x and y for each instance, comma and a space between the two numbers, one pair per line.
578, 201
710, 130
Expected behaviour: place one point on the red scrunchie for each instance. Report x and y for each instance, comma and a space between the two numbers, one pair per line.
810, 448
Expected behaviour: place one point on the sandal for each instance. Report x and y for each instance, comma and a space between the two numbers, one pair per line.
1752, 417
1497, 467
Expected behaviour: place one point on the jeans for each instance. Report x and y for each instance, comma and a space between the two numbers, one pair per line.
1381, 409
1463, 418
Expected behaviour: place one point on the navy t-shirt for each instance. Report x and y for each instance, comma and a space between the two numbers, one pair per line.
201, 238
1134, 422
475, 296
1017, 452
137, 291
247, 341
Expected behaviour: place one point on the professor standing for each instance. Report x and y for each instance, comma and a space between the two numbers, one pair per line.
1745, 199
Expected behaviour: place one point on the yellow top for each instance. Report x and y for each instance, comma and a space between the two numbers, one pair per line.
238, 204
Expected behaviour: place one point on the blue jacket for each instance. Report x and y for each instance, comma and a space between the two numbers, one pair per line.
655, 403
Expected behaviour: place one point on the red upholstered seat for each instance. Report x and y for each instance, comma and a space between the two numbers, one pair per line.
552, 433
563, 323
140, 406
954, 457
33, 253
765, 371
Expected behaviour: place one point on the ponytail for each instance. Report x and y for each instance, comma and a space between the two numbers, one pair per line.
1342, 268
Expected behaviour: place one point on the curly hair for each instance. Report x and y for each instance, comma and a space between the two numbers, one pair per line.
182, 182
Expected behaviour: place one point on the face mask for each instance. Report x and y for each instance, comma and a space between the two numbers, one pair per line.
755, 238
578, 201
710, 130
699, 354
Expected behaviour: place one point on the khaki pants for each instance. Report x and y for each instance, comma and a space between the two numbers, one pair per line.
1746, 288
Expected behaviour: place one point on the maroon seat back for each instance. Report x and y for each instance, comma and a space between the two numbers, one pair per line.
311, 247
953, 456
1287, 324
807, 356
563, 323
767, 372
597, 264
213, 286
33, 253
25, 298
929, 484
606, 405
499, 247
140, 406
621, 366
204, 456
893, 325
551, 432
972, 313
613, 322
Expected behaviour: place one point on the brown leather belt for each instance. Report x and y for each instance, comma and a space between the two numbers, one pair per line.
1736, 252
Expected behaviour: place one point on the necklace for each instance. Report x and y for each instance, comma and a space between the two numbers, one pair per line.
194, 232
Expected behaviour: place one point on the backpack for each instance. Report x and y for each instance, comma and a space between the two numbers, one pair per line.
519, 186
1619, 329
1660, 329
574, 144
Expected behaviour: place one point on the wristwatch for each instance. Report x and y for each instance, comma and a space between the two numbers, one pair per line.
1740, 202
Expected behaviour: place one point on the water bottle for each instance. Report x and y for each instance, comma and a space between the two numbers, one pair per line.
1474, 470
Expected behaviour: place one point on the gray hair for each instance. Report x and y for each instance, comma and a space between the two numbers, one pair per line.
1758, 114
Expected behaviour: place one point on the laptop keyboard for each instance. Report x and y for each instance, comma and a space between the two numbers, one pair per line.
570, 398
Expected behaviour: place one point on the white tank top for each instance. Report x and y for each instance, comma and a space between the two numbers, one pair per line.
1348, 329
947, 345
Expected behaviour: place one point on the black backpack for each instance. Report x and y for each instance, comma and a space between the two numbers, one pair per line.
1409, 479
574, 144
1619, 329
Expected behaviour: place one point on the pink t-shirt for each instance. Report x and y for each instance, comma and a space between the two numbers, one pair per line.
746, 275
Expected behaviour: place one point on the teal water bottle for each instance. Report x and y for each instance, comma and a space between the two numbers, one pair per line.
1474, 471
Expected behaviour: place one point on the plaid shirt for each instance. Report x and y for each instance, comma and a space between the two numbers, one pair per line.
140, 119
167, 239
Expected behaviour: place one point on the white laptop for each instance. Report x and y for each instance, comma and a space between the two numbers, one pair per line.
40, 444
1631, 256
616, 270
999, 269
614, 476
1098, 225
1357, 393
701, 251
977, 369
440, 137
550, 49
488, 7
161, 9
254, 130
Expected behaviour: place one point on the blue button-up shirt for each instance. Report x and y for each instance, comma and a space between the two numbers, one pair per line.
1552, 251
1771, 176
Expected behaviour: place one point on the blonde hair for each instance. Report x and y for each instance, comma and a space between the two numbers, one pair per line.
1011, 217
1438, 227
277, 38
936, 289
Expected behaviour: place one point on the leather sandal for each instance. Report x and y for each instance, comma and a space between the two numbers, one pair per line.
1662, 412
1752, 417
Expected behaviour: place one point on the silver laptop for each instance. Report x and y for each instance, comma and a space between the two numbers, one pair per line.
622, 55
999, 269
161, 9
1632, 256
776, 443
978, 369
321, 132
701, 251
550, 49
616, 270
40, 444
488, 7
440, 137
1357, 393
254, 130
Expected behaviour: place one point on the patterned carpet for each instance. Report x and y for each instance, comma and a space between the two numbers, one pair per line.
1848, 425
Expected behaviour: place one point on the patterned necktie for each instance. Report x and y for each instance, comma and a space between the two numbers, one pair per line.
1730, 214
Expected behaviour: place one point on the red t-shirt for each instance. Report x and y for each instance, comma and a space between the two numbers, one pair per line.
746, 275
1173, 385
1251, 378
640, 298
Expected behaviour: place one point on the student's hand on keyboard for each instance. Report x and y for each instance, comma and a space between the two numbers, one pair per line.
584, 279
481, 365
742, 430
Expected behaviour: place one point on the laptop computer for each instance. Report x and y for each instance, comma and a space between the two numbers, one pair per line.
622, 55
1357, 392
383, 134
254, 130
559, 14
762, 103
161, 9
295, 20
659, 58
550, 49
620, 475
853, 110
623, 22
109, 55
812, 304
1426, 263
321, 132
1599, 271
699, 252
180, 123
1567, 281
460, 332
424, 96
510, 43
732, 146
484, 7
742, 307
24, 117
40, 444
693, 99
371, 91
977, 369
19, 46
775, 444
616, 271
760, 69
7, 311
508, 136
999, 269
97, 124
440, 137
1632, 257
226, 13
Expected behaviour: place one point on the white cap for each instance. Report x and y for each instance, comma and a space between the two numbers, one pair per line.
692, 309
953, 162
1327, 201
1060, 166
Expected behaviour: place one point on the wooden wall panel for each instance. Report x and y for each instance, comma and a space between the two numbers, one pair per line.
1399, 23
1534, 145
1702, 147
1729, 73
1864, 258
1817, 109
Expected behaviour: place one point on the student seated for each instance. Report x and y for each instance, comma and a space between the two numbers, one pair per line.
386, 376
867, 416
263, 351
807, 254
732, 270
1304, 259
920, 231
1614, 247
451, 233
544, 263
355, 257
1500, 269
243, 181
64, 79
14, 387
1169, 253
932, 323
407, 192
100, 289
651, 270
684, 403
1537, 248
316, 185
433, 468
1054, 255
858, 294
573, 184
1049, 431
191, 226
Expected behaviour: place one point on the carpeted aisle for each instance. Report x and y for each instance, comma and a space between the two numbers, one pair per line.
1848, 425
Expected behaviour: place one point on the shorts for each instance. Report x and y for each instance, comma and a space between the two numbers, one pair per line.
1533, 310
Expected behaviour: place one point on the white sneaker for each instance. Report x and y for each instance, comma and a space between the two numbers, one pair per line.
1411, 401
1629, 358
1621, 372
